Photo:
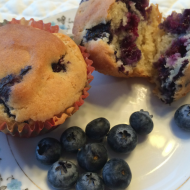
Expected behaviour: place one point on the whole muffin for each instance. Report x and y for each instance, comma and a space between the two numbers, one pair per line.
43, 80
119, 35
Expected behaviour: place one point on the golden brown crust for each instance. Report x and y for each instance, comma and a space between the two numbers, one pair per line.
89, 14
42, 93
16, 48
104, 58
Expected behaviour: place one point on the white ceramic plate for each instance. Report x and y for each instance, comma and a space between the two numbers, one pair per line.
160, 160
64, 20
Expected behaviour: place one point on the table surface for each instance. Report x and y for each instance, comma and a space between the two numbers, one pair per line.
40, 9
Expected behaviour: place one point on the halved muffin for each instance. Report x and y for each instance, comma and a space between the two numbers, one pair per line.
119, 35
172, 61
132, 39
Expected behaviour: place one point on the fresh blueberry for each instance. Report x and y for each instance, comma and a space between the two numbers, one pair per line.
48, 150
73, 139
63, 174
92, 157
122, 138
90, 181
141, 122
97, 129
116, 174
182, 117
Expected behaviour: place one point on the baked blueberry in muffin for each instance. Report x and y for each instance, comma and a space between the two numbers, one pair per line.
123, 31
177, 23
130, 39
42, 76
173, 57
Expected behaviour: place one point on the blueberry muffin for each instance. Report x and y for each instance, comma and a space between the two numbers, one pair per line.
119, 35
43, 79
132, 39
172, 60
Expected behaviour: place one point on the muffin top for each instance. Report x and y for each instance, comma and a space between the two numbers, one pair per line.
41, 75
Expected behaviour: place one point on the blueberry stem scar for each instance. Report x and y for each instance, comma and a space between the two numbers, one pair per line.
63, 167
90, 179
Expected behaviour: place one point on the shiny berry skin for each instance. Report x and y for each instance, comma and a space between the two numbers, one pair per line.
89, 181
48, 151
116, 174
63, 174
97, 129
92, 157
182, 117
141, 122
73, 139
122, 138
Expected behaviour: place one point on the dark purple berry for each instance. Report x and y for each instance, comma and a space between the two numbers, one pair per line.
182, 117
130, 54
177, 23
98, 32
92, 157
132, 24
7, 109
141, 5
141, 122
122, 138
10, 80
48, 151
89, 181
97, 129
63, 174
73, 138
60, 66
116, 174
5, 88
25, 70
176, 51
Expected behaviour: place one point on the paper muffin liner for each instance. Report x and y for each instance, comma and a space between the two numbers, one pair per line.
37, 127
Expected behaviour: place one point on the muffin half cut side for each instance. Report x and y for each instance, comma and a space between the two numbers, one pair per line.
119, 35
172, 61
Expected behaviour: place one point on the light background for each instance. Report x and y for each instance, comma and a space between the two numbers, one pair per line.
39, 9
